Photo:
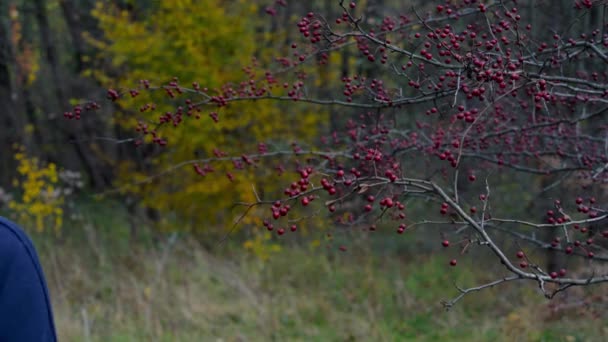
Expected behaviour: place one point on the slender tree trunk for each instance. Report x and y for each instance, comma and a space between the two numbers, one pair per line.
49, 50
73, 20
9, 134
82, 152
37, 140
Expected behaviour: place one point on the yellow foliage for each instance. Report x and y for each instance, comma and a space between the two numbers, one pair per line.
205, 41
41, 201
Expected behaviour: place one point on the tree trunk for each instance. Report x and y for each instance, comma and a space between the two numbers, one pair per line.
72, 18
9, 134
81, 150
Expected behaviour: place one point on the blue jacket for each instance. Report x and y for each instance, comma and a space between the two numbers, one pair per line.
25, 309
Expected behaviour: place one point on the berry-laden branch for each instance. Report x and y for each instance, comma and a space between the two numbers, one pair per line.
448, 304
442, 95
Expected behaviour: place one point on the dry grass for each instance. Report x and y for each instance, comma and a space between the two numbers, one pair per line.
179, 292
169, 288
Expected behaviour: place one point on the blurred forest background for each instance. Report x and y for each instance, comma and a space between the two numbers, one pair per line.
134, 258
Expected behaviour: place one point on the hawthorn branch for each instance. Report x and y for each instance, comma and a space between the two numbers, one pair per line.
485, 70
548, 225
544, 278
423, 98
540, 243
256, 156
448, 304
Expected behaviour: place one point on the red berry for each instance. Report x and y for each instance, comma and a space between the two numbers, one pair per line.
523, 264
472, 178
453, 262
113, 94
280, 231
553, 275
445, 243
294, 228
520, 254
283, 211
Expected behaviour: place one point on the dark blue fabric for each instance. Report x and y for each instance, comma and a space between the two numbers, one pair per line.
25, 309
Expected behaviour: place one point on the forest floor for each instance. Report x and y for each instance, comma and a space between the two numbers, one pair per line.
168, 287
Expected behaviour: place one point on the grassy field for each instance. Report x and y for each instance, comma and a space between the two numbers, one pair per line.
169, 287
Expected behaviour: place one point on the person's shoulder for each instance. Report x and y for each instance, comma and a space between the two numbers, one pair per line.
25, 309
12, 237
